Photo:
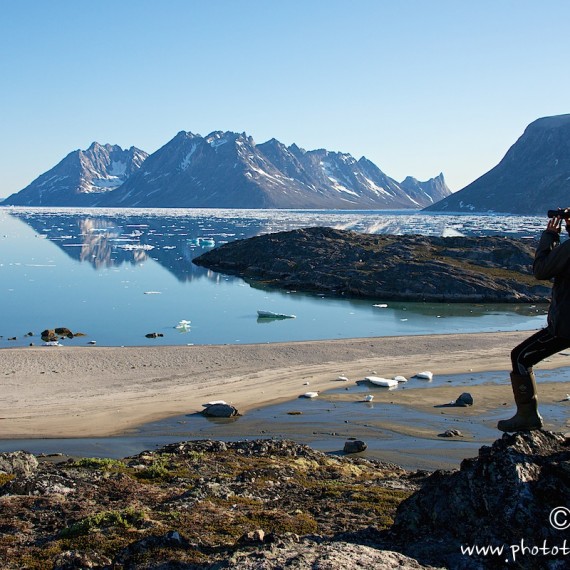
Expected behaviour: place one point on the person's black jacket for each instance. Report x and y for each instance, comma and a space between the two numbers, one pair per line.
552, 261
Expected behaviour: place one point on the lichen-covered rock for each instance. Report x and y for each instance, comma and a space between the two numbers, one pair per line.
324, 556
18, 463
503, 496
39, 484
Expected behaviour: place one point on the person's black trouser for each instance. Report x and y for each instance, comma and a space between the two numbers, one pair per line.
535, 348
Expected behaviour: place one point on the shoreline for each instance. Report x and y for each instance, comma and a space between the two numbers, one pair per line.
75, 392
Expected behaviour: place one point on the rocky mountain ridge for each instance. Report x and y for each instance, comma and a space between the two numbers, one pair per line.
385, 267
81, 177
229, 170
532, 178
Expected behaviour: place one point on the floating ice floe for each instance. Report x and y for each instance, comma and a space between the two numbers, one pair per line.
400, 379
52, 343
202, 242
425, 375
183, 325
385, 382
368, 398
272, 315
152, 292
380, 305
451, 232
136, 246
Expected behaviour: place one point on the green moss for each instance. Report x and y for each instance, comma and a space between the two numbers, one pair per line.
154, 472
126, 518
98, 463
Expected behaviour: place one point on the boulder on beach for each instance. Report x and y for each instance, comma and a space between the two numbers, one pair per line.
354, 446
220, 411
451, 433
464, 400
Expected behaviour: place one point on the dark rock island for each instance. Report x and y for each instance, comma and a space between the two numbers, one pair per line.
386, 267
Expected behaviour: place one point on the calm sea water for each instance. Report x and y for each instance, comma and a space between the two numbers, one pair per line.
117, 275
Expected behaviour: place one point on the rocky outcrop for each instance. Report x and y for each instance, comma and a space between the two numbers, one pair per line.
514, 497
388, 267
269, 504
324, 555
18, 463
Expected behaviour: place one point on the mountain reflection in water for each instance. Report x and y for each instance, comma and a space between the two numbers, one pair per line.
132, 252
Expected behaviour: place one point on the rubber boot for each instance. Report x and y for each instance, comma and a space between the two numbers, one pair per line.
527, 416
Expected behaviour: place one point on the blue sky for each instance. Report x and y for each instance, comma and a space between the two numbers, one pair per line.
417, 86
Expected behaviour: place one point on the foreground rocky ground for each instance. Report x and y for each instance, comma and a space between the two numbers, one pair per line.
193, 502
275, 504
388, 267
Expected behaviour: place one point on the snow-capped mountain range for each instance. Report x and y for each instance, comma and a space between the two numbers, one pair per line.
225, 170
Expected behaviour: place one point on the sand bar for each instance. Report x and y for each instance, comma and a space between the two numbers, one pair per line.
100, 391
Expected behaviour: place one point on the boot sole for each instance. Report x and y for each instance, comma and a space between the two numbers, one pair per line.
519, 428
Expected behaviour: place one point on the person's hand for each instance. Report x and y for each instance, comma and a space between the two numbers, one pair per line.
554, 224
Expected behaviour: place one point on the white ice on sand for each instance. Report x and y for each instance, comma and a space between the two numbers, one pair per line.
384, 382
310, 395
425, 375
214, 402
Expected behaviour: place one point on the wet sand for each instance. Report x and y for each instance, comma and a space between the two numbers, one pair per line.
90, 392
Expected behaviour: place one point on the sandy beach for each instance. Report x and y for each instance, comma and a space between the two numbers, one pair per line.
75, 392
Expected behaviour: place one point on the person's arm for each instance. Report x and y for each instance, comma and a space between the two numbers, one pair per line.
551, 258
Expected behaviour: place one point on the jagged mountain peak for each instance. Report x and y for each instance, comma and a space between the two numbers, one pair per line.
80, 176
182, 135
412, 180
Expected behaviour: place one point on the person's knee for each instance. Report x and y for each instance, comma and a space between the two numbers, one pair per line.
515, 353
